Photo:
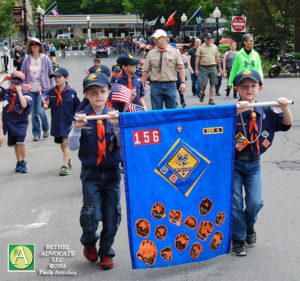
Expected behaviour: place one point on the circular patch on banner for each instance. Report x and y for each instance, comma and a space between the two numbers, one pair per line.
179, 129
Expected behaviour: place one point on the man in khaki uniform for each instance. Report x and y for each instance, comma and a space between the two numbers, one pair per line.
208, 57
163, 62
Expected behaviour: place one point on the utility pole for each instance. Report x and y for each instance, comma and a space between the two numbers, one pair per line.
25, 22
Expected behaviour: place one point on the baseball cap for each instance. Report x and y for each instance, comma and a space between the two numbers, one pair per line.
116, 68
159, 33
19, 75
101, 68
96, 79
59, 72
126, 59
208, 35
251, 74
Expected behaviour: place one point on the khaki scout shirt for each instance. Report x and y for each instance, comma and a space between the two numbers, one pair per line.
208, 54
171, 61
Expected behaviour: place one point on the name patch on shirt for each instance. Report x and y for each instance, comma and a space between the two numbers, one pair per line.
212, 130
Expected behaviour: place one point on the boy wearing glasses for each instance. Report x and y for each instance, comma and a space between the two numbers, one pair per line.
16, 108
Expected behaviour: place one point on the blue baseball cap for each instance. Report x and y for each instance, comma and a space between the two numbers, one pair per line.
251, 74
116, 68
60, 72
208, 35
127, 60
96, 79
101, 68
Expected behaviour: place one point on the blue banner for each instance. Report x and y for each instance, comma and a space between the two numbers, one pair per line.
198, 18
178, 169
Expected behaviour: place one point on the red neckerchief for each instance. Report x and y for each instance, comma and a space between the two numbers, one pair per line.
59, 97
101, 141
129, 80
13, 101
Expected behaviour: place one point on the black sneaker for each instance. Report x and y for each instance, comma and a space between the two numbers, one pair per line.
251, 236
239, 248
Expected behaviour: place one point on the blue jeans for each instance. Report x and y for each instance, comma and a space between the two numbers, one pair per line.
247, 174
196, 83
101, 202
163, 92
38, 112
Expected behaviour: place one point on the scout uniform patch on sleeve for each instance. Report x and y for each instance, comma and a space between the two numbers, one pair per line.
240, 141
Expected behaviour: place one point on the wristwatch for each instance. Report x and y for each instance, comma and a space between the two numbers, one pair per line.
183, 82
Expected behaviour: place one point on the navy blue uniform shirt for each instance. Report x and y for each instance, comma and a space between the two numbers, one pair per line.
62, 114
88, 150
15, 120
268, 120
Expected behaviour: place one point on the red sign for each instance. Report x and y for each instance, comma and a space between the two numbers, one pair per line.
17, 14
143, 137
238, 24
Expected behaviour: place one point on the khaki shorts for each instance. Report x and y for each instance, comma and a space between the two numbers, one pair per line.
209, 73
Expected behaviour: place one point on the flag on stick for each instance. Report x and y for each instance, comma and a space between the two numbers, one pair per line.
54, 11
152, 22
171, 20
135, 108
26, 87
121, 93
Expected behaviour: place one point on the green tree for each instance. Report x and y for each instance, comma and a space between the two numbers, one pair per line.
7, 26
272, 17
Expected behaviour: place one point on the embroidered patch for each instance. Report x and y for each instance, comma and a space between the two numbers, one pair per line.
179, 129
92, 77
173, 178
265, 134
266, 143
213, 130
98, 69
164, 169
240, 141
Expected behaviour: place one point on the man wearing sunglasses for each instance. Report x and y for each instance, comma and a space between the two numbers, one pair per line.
162, 63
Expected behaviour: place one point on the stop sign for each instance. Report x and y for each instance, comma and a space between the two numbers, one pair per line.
238, 24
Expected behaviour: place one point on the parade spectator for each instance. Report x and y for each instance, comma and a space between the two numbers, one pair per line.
6, 55
196, 80
22, 56
54, 63
1, 132
63, 49
99, 152
52, 50
37, 68
15, 116
162, 63
208, 57
255, 129
219, 77
63, 102
227, 65
17, 55
246, 58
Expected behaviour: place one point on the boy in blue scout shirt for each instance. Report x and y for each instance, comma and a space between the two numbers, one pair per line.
116, 71
130, 80
255, 128
99, 152
16, 108
63, 102
99, 68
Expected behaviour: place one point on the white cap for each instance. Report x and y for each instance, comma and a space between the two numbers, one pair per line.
159, 33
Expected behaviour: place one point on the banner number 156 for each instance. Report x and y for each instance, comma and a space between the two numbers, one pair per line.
143, 137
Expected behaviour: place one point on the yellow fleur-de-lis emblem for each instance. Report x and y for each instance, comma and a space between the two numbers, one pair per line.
98, 69
247, 72
56, 69
92, 77
131, 57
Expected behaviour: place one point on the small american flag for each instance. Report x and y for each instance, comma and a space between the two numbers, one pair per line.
134, 108
26, 87
120, 93
54, 11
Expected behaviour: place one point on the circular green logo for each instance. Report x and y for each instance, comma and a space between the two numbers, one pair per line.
21, 257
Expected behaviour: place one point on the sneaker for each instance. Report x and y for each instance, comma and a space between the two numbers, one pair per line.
218, 94
36, 138
70, 164
239, 248
183, 105
64, 171
46, 134
202, 97
227, 92
90, 253
235, 95
211, 102
18, 167
251, 236
24, 167
106, 262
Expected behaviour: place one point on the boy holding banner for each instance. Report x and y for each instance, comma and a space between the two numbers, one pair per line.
99, 151
255, 130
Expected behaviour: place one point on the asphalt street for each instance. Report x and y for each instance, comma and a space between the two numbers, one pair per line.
43, 208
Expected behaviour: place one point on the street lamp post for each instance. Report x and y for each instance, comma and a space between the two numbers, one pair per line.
146, 25
88, 18
162, 21
40, 12
217, 15
183, 20
25, 22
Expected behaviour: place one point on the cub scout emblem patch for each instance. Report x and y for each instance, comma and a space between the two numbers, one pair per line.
92, 77
56, 69
182, 167
266, 143
247, 72
265, 134
240, 141
98, 69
